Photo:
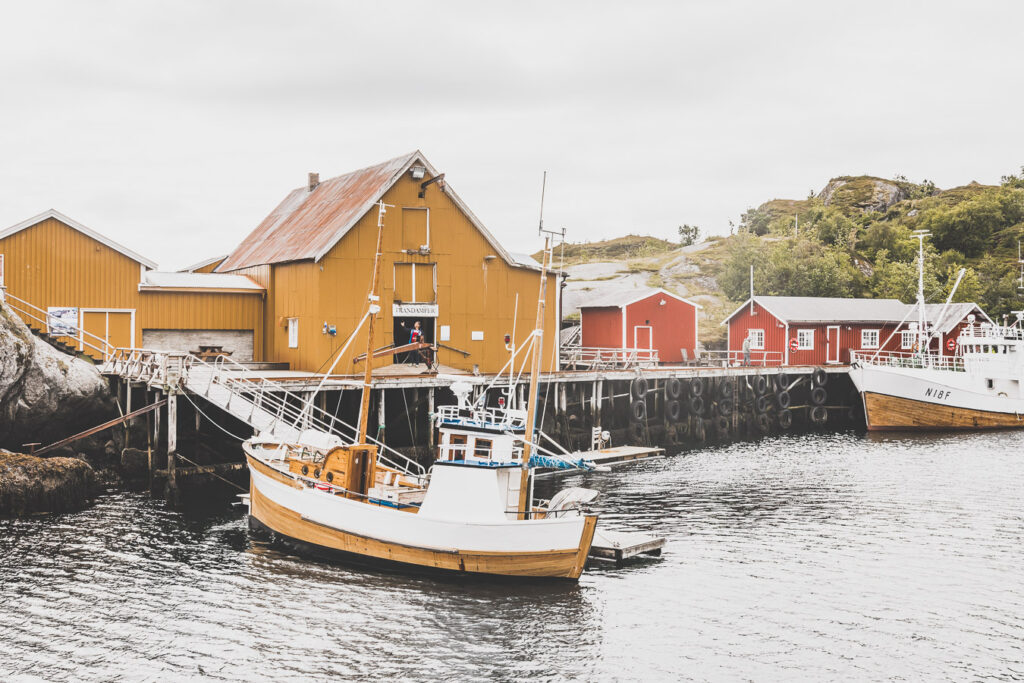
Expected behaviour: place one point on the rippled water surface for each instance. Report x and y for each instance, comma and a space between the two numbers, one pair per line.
802, 557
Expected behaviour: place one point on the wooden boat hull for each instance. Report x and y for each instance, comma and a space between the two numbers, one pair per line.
886, 413
331, 539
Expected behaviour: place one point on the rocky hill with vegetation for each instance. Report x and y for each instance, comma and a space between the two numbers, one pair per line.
851, 239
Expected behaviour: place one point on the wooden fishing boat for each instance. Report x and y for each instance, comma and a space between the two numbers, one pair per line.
472, 513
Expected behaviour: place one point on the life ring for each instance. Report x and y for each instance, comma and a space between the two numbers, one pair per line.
725, 407
696, 405
639, 387
783, 400
673, 388
951, 344
696, 386
673, 410
638, 409
818, 395
760, 384
819, 377
785, 419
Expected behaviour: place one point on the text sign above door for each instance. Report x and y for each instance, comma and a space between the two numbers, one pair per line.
411, 310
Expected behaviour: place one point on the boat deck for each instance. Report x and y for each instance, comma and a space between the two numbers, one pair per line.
619, 546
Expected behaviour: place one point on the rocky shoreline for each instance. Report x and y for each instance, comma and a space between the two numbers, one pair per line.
31, 485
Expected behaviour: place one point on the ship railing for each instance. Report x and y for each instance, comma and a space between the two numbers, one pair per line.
900, 359
499, 416
597, 358
991, 332
289, 409
75, 336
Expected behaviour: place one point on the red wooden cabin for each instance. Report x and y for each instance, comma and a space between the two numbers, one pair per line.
645, 318
792, 330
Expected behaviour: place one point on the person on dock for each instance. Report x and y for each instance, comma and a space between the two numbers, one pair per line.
746, 349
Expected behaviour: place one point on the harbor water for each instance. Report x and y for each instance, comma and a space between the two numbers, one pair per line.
816, 556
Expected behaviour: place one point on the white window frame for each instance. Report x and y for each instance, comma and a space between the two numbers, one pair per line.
293, 333
419, 208
650, 336
907, 339
756, 339
1, 270
800, 336
864, 335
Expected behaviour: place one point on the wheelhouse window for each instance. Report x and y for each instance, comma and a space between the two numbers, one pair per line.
869, 339
293, 333
907, 340
457, 446
482, 448
805, 340
756, 339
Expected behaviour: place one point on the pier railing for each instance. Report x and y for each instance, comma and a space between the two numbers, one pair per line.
596, 358
731, 358
31, 313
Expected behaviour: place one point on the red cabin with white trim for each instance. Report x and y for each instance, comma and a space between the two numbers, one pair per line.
790, 330
645, 318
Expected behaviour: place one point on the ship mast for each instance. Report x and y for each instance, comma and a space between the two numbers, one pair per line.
922, 335
374, 298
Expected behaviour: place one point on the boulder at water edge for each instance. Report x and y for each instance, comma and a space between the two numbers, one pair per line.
31, 485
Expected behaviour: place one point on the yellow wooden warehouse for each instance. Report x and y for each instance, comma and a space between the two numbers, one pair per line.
61, 275
314, 253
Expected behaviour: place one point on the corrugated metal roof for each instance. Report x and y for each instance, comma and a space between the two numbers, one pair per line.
624, 297
814, 309
213, 281
306, 225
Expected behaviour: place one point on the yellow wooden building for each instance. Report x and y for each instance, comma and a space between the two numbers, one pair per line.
62, 276
314, 253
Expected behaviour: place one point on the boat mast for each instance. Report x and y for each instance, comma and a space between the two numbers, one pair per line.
922, 335
374, 298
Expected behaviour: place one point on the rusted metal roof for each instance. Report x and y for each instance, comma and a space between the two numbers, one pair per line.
307, 224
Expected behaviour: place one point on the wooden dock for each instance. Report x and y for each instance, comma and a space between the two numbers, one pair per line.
619, 546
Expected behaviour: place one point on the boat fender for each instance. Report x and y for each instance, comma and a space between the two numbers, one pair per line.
722, 423
782, 382
725, 389
760, 384
316, 473
783, 400
785, 419
761, 405
696, 405
763, 423
725, 407
818, 396
639, 387
673, 388
673, 410
819, 414
305, 470
638, 409
330, 476
696, 386
819, 377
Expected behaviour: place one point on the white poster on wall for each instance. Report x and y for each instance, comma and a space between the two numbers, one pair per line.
62, 321
413, 310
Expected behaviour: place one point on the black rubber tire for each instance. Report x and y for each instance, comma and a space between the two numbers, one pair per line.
819, 377
818, 396
638, 388
673, 410
722, 424
783, 400
782, 382
638, 411
760, 384
785, 419
725, 389
764, 424
725, 407
696, 386
819, 415
761, 405
637, 432
696, 405
673, 388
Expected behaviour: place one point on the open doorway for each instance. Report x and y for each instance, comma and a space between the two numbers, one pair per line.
402, 335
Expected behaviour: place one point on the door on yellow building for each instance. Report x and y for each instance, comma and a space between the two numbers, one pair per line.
115, 327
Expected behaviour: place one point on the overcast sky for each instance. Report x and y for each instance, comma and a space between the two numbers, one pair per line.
175, 127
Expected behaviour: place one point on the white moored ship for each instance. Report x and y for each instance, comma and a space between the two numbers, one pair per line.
978, 387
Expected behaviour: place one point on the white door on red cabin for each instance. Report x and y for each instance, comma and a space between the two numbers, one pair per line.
643, 337
832, 344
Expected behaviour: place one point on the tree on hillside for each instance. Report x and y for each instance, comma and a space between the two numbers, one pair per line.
688, 234
791, 267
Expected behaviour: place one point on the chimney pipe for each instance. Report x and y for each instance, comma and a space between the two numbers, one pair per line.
314, 180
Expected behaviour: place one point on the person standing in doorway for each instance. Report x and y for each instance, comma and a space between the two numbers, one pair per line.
416, 335
746, 349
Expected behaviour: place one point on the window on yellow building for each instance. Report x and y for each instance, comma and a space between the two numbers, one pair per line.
293, 333
415, 229
415, 283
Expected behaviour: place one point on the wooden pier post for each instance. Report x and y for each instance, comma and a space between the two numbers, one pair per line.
430, 418
172, 447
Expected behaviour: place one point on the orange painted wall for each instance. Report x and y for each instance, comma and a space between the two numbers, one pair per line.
474, 293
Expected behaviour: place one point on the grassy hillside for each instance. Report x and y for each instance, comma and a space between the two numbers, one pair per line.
618, 249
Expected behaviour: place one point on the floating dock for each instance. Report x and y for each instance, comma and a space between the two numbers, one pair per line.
619, 546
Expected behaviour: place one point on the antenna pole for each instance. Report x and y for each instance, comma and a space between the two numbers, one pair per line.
374, 298
543, 188
922, 336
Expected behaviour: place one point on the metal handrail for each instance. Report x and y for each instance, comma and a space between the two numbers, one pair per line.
600, 357
900, 359
758, 358
21, 306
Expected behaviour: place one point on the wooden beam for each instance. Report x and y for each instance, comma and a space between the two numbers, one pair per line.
100, 428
